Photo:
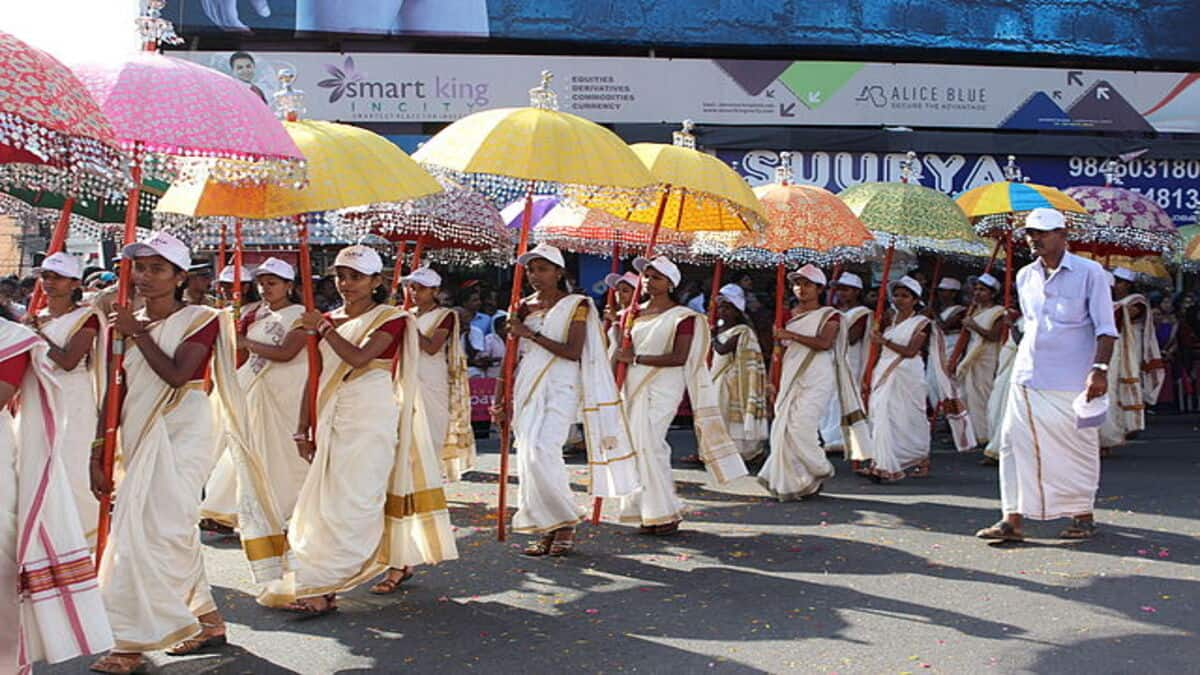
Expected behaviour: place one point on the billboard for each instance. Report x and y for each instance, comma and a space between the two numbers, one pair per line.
1174, 184
1139, 29
463, 18
390, 87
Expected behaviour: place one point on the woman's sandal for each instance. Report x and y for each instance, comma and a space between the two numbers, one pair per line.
387, 585
1080, 528
539, 547
563, 541
1001, 531
921, 470
119, 663
311, 612
202, 642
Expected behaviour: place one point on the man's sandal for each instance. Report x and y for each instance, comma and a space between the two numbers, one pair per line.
202, 642
387, 585
667, 530
1001, 531
562, 543
118, 663
1080, 528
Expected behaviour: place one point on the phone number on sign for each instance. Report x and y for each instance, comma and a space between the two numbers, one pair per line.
1090, 167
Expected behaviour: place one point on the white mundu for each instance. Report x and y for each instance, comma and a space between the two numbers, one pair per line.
82, 388
549, 395
854, 358
373, 496
797, 465
273, 392
652, 398
152, 574
444, 408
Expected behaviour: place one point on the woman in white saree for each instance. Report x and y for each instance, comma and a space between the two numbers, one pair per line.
797, 465
272, 377
851, 355
563, 369
976, 371
899, 427
668, 358
739, 374
50, 607
152, 574
372, 500
444, 409
74, 334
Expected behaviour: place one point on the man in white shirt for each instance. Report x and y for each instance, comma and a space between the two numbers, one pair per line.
1050, 467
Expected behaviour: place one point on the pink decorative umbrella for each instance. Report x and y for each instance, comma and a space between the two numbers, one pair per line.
1126, 223
180, 122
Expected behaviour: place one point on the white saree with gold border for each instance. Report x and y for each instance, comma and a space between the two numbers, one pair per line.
273, 391
152, 574
651, 399
82, 389
899, 427
741, 379
373, 496
549, 395
851, 358
444, 408
998, 401
1126, 396
796, 466
50, 606
976, 372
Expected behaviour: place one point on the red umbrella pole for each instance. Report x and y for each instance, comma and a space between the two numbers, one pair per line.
398, 271
718, 272
58, 242
237, 269
880, 303
610, 295
112, 405
509, 367
780, 322
631, 314
310, 304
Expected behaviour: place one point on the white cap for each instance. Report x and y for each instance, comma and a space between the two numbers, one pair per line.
949, 284
735, 294
1089, 413
423, 276
612, 280
62, 264
810, 272
162, 244
277, 267
661, 264
850, 279
1045, 219
907, 282
989, 281
226, 276
359, 258
1125, 274
545, 252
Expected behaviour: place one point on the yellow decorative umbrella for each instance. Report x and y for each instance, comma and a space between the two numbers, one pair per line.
1152, 267
513, 153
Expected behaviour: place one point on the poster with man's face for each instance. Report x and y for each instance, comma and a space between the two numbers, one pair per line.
467, 18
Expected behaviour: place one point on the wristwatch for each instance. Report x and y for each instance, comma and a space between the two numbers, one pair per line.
1103, 367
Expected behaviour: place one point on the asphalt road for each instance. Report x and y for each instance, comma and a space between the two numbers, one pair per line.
863, 579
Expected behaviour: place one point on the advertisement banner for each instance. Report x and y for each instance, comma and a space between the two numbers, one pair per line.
1172, 183
383, 87
461, 18
483, 394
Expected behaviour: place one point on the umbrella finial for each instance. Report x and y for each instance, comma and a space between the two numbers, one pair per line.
783, 172
542, 96
1012, 172
1112, 172
684, 138
910, 168
153, 29
289, 101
